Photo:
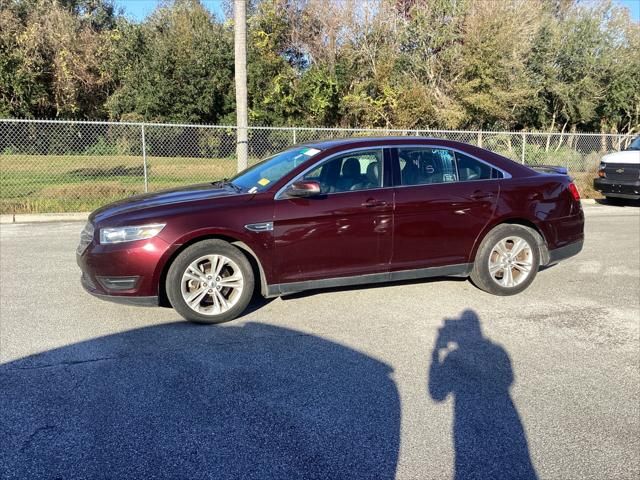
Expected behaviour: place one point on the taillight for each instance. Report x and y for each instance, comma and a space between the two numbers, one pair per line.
574, 192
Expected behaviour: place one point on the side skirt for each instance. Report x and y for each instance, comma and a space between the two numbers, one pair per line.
459, 270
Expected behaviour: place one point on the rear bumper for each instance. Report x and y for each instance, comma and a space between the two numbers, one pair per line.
611, 188
567, 251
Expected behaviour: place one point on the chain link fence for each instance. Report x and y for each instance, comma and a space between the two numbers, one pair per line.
64, 166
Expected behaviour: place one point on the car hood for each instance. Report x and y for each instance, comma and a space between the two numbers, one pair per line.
189, 193
626, 156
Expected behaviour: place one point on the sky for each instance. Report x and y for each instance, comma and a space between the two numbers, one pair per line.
633, 6
138, 10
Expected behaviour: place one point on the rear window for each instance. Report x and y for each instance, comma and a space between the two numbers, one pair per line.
426, 166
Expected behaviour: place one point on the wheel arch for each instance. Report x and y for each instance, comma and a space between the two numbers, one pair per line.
254, 261
523, 222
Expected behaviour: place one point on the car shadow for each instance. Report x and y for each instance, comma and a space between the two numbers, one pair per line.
256, 303
489, 438
185, 401
618, 202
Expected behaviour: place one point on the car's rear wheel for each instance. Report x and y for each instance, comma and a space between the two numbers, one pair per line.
507, 260
210, 282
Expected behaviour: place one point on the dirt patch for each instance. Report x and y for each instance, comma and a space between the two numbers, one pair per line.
96, 190
584, 182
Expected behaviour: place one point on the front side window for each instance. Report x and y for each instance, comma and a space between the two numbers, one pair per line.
426, 166
353, 171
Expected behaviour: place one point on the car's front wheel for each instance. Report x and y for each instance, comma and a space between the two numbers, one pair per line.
507, 261
210, 282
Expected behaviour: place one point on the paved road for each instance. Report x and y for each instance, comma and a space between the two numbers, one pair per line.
338, 384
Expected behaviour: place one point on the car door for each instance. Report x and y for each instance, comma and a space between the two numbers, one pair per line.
344, 231
443, 200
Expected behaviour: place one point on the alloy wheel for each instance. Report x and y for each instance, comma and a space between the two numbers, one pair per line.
510, 261
212, 284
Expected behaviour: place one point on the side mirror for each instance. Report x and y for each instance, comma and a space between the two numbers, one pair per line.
304, 188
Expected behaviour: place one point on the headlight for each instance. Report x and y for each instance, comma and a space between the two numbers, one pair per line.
601, 170
129, 234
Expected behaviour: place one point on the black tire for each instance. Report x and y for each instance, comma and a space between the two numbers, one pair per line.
480, 275
193, 253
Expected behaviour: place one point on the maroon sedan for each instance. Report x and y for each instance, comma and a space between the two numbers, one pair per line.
332, 213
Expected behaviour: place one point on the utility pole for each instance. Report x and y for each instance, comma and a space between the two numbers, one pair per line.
240, 36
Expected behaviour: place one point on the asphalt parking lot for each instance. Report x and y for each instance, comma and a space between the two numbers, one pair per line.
333, 384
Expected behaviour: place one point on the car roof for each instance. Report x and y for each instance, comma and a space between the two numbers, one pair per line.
515, 169
339, 142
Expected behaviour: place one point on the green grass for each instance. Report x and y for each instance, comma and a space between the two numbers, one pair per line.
67, 183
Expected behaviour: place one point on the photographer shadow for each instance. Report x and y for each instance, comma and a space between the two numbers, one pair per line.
489, 438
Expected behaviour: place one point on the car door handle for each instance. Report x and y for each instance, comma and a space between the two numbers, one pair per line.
478, 195
374, 203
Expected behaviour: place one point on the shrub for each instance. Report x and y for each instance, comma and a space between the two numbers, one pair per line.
101, 147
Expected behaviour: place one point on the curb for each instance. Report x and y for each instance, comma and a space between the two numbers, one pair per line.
44, 217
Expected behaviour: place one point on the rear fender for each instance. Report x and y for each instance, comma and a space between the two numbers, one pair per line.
544, 205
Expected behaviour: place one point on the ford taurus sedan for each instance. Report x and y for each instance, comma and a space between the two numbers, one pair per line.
333, 213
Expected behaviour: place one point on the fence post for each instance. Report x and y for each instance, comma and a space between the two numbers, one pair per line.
480, 139
144, 161
294, 136
524, 143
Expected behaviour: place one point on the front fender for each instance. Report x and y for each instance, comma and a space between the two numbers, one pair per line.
256, 244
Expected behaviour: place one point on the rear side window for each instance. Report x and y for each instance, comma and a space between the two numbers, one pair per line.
470, 169
427, 166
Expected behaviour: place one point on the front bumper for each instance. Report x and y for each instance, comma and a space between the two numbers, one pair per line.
615, 189
148, 301
126, 273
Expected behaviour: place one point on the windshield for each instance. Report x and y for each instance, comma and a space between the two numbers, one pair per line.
635, 145
262, 175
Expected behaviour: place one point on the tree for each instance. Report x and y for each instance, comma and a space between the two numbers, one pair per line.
177, 66
552, 65
584, 65
50, 62
619, 108
493, 87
